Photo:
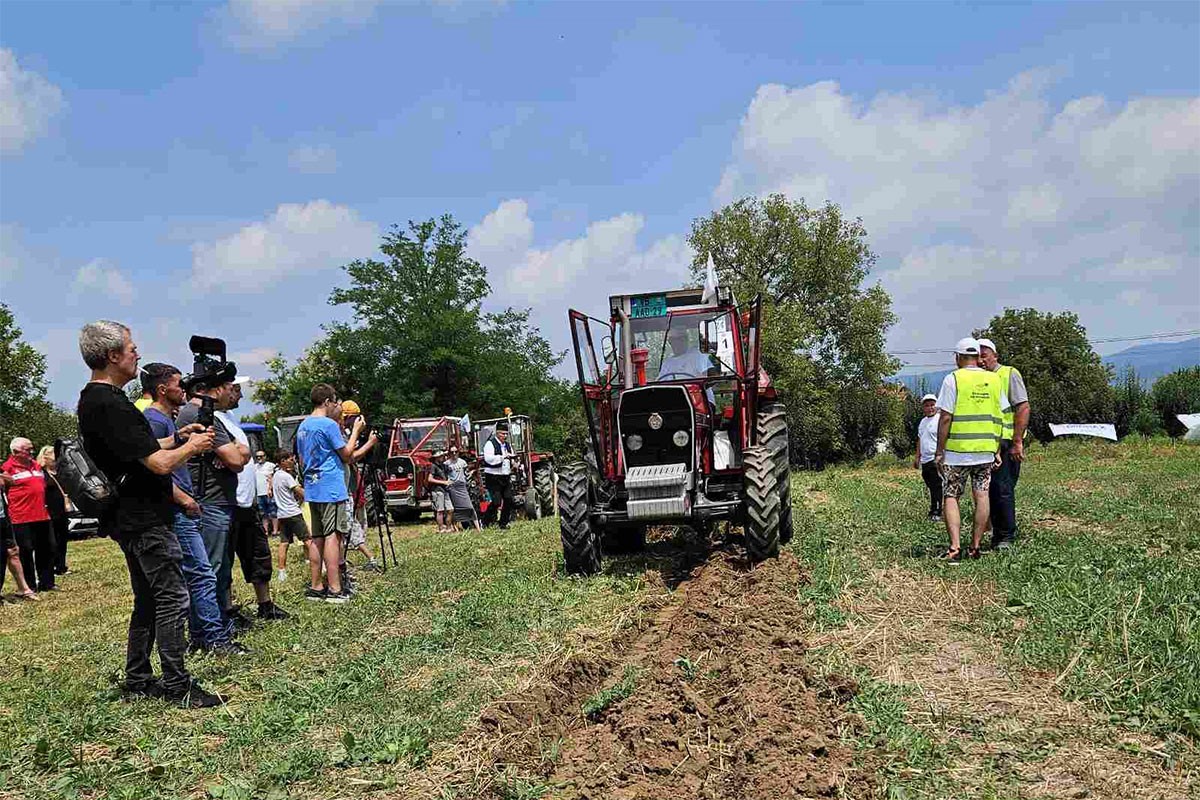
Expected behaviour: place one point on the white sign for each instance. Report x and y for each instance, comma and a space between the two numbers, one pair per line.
1098, 429
1192, 423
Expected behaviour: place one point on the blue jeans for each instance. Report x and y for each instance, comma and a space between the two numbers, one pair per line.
215, 521
208, 626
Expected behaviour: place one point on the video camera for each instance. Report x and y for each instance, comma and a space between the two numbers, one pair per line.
378, 456
210, 367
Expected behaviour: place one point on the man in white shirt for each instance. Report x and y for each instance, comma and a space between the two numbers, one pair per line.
247, 538
497, 476
927, 430
264, 471
685, 361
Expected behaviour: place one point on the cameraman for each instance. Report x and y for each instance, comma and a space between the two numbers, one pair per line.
497, 476
356, 539
215, 474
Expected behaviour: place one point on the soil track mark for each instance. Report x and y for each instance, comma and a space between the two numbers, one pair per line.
708, 695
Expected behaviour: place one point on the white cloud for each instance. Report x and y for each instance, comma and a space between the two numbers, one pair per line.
254, 357
28, 103
294, 240
318, 159
1013, 200
580, 270
266, 24
99, 276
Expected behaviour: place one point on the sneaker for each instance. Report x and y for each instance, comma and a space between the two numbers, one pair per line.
142, 691
228, 649
339, 599
195, 696
270, 611
372, 566
935, 517
282, 577
240, 621
1002, 544
315, 594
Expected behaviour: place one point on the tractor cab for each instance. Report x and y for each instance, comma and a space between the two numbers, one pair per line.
677, 409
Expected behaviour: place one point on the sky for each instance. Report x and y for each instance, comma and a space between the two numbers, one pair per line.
208, 168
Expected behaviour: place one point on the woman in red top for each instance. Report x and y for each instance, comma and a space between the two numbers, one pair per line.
28, 514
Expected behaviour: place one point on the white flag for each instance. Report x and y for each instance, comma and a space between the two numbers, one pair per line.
710, 282
1192, 423
465, 423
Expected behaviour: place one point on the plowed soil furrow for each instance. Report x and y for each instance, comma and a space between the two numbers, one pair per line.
709, 697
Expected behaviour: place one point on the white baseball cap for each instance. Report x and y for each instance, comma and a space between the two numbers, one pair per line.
967, 346
928, 397
241, 380
989, 344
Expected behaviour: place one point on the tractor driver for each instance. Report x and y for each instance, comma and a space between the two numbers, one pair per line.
685, 361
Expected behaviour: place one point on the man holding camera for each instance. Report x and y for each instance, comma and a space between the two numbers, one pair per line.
215, 474
118, 439
497, 476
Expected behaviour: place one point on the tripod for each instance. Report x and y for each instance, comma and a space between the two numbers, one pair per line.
375, 486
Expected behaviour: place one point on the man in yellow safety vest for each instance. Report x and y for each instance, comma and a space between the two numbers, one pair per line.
968, 444
1003, 492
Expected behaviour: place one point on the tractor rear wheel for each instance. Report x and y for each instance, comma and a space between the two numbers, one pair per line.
773, 435
762, 503
581, 548
543, 482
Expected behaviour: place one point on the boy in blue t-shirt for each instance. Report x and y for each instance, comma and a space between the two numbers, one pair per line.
323, 451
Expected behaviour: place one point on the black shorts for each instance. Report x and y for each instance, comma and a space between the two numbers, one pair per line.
293, 528
7, 540
249, 543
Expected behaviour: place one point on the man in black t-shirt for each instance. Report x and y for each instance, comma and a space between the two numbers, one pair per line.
119, 440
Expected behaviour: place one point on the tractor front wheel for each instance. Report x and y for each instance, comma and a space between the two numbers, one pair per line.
543, 482
581, 548
532, 509
762, 503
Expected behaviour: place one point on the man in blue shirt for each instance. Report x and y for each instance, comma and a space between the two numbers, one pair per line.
323, 451
209, 630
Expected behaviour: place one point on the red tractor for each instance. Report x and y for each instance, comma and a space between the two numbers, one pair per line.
409, 462
533, 478
685, 427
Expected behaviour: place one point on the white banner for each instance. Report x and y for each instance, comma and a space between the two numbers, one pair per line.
1099, 429
1192, 423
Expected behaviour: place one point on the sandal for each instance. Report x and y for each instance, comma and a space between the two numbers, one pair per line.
29, 595
973, 553
952, 556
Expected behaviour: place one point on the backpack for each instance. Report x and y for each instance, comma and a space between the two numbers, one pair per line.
89, 489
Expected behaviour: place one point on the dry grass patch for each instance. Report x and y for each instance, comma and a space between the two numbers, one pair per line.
1003, 724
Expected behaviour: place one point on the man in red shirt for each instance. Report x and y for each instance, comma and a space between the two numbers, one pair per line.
28, 515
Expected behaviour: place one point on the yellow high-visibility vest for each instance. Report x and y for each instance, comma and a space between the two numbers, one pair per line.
1005, 373
977, 422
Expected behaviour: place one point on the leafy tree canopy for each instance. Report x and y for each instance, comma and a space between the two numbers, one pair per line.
420, 343
24, 410
823, 330
1066, 379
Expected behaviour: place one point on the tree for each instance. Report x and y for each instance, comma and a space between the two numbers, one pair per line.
420, 343
1066, 379
823, 331
1177, 393
1133, 411
24, 410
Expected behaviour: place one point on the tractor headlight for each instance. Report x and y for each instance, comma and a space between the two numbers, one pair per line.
680, 438
633, 441
655, 421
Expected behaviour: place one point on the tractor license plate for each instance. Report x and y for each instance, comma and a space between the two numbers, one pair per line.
651, 306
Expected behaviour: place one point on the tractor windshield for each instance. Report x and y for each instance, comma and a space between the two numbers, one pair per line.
675, 344
411, 436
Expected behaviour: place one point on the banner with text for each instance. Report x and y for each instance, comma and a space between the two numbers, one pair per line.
1101, 430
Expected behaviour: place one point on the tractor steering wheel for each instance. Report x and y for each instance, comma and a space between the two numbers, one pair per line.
684, 375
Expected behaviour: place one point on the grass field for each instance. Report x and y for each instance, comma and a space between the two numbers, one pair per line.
1087, 636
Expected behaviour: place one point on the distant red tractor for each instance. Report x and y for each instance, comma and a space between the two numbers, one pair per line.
533, 473
685, 427
414, 441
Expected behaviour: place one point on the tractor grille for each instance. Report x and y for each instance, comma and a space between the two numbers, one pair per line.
657, 492
672, 404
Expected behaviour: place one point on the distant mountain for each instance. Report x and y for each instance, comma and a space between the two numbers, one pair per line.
1150, 361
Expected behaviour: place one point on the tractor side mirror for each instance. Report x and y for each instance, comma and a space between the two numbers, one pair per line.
609, 349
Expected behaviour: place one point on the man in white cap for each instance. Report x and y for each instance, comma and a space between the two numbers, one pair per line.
927, 431
1003, 491
968, 444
